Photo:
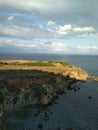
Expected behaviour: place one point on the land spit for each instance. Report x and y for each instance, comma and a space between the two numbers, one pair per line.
24, 83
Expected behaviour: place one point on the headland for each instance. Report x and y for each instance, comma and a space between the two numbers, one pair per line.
30, 83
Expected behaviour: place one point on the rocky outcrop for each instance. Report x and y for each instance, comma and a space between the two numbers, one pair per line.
38, 88
95, 78
54, 66
37, 85
76, 73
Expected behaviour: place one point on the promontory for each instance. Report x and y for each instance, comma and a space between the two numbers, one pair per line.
24, 83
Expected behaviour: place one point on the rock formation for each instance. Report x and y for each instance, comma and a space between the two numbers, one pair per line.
22, 84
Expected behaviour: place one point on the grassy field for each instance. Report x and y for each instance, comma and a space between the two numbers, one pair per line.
39, 63
33, 63
56, 67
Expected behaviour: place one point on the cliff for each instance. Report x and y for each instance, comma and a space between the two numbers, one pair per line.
56, 67
33, 83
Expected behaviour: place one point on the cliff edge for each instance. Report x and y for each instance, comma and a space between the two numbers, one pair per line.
24, 83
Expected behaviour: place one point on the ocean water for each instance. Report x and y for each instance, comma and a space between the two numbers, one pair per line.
72, 110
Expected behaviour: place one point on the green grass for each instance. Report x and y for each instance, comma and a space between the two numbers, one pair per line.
70, 66
39, 63
63, 63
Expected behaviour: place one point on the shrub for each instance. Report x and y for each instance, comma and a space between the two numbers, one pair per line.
3, 63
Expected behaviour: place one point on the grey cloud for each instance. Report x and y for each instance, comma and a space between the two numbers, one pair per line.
53, 47
70, 18
33, 31
80, 12
24, 32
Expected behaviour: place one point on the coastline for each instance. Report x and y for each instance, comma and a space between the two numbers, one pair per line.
41, 75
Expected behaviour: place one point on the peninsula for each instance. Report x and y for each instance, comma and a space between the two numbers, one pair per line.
24, 83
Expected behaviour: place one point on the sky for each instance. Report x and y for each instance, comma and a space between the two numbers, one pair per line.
49, 26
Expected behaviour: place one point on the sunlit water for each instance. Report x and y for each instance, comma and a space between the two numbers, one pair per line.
72, 110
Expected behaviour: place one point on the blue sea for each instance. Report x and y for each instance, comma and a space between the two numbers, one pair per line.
73, 110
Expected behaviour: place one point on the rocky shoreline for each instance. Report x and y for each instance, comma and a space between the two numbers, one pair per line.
94, 78
40, 88
35, 85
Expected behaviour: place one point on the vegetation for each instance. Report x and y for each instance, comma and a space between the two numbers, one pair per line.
3, 63
63, 63
70, 66
39, 63
49, 63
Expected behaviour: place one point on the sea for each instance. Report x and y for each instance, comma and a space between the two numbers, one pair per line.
73, 110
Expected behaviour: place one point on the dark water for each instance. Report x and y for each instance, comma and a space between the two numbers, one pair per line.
72, 110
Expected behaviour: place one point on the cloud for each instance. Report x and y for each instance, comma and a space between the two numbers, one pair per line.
24, 32
10, 18
46, 47
83, 12
50, 23
84, 29
72, 18
64, 30
88, 49
32, 46
35, 31
69, 31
